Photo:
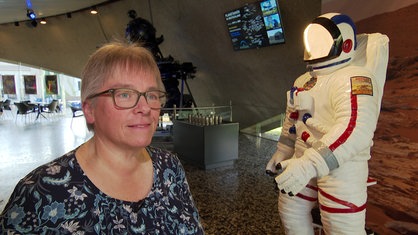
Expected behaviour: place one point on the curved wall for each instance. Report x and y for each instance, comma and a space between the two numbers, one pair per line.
255, 81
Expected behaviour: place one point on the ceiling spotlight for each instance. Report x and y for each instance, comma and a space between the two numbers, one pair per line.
132, 14
30, 14
43, 21
93, 11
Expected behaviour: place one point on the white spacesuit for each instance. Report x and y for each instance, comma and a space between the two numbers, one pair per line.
331, 116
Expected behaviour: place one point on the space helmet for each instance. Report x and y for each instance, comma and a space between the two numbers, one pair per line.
330, 43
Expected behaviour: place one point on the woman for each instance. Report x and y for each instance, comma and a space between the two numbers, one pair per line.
115, 183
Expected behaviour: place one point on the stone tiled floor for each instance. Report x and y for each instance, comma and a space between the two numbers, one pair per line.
239, 199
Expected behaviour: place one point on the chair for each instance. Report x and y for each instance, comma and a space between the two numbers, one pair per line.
51, 108
6, 107
23, 109
77, 112
1, 108
58, 109
33, 107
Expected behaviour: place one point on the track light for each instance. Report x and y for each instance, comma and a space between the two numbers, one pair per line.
43, 21
34, 23
30, 14
93, 11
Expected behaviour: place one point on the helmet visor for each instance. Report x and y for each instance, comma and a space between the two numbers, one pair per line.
322, 40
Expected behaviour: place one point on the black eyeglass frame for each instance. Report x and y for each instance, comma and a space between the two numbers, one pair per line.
112, 91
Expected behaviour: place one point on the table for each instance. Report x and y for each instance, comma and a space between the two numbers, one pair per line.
39, 105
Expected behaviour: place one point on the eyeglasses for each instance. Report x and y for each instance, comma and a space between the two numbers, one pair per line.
125, 98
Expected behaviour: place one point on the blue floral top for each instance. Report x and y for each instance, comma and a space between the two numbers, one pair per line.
57, 198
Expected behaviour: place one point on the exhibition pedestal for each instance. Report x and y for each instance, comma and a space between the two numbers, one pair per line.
207, 147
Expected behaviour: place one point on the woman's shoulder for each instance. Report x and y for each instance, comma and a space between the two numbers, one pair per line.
65, 161
45, 180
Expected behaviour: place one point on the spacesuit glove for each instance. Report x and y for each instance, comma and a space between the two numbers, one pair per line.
272, 166
297, 172
282, 153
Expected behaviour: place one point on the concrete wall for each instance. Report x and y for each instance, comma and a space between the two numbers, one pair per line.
195, 31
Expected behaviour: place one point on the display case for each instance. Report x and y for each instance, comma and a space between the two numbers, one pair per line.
206, 146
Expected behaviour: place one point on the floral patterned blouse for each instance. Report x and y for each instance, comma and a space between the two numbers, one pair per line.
57, 198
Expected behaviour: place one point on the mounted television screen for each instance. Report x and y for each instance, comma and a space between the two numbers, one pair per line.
255, 25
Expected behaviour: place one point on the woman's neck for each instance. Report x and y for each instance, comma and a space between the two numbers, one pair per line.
125, 175
114, 158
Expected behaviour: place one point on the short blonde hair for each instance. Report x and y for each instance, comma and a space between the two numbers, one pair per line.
116, 56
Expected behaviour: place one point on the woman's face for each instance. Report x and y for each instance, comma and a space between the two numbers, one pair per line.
124, 128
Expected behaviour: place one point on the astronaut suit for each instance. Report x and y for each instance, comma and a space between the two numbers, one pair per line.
332, 111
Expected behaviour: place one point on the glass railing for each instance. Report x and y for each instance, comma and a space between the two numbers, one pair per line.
223, 113
211, 115
270, 128
208, 115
